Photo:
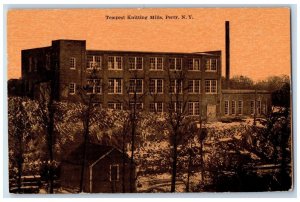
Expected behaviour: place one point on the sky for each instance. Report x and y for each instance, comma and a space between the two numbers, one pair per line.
259, 37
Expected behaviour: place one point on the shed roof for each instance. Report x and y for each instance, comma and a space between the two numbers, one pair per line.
93, 153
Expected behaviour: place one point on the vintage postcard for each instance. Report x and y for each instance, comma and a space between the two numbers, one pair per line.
149, 100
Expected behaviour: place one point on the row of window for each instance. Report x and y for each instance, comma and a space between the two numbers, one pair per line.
258, 106
158, 107
156, 63
33, 63
156, 86
236, 107
134, 63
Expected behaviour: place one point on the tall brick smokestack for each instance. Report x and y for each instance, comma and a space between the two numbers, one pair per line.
227, 44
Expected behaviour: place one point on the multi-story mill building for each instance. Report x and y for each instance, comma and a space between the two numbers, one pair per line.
156, 78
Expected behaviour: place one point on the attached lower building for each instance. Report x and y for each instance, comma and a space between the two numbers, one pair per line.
245, 102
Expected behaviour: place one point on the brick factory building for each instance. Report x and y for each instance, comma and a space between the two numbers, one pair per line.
156, 78
152, 75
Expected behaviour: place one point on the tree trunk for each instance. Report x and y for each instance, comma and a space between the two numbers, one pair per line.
123, 156
202, 162
86, 136
132, 155
20, 168
133, 125
50, 135
174, 164
189, 173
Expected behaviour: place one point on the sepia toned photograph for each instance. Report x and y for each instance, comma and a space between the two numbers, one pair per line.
149, 100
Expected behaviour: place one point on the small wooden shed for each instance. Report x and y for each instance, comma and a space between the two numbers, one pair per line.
103, 171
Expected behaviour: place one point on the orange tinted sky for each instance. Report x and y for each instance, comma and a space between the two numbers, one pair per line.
260, 37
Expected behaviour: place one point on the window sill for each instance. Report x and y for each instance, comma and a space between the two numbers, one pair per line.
156, 93
93, 93
90, 69
135, 93
153, 70
135, 69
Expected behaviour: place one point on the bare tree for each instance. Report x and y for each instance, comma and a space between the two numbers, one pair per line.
89, 94
177, 101
135, 91
46, 102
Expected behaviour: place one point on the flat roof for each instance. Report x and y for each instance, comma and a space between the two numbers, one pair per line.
210, 53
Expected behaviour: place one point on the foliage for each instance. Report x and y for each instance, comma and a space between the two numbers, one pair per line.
239, 82
237, 163
281, 97
273, 83
24, 130
231, 152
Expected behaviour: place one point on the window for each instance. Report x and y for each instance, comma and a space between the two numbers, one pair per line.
233, 107
194, 86
135, 63
194, 64
156, 107
115, 105
240, 107
258, 106
35, 67
27, 86
252, 107
176, 86
226, 107
264, 108
48, 61
210, 86
193, 108
115, 63
30, 64
72, 63
175, 64
211, 65
136, 106
156, 63
175, 107
94, 86
93, 62
136, 86
114, 86
114, 172
72, 88
156, 86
